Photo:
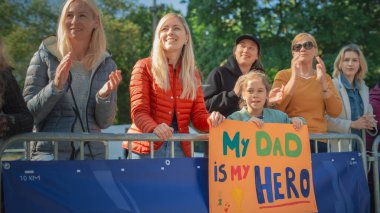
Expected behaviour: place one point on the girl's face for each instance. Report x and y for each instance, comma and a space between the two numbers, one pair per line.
255, 95
350, 64
80, 21
173, 35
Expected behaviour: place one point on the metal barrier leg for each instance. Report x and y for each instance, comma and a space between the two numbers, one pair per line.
106, 154
350, 146
81, 148
328, 146
340, 146
55, 150
129, 150
192, 149
172, 149
151, 149
316, 146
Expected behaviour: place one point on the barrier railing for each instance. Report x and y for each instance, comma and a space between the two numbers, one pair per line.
376, 180
111, 137
343, 138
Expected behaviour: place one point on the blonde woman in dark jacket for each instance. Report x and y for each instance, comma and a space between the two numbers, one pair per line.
71, 83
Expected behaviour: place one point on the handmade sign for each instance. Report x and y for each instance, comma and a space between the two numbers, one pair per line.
260, 169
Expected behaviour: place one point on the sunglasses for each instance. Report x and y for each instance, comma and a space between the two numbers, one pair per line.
307, 45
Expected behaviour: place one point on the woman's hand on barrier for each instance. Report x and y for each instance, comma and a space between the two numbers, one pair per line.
297, 123
361, 123
372, 122
163, 131
111, 85
62, 72
215, 119
259, 123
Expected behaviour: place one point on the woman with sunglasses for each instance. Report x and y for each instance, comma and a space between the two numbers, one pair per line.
309, 92
357, 117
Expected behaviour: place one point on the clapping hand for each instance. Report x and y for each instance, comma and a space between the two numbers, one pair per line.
321, 70
62, 72
276, 95
111, 85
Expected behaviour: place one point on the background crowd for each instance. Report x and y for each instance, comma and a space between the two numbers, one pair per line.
72, 81
214, 27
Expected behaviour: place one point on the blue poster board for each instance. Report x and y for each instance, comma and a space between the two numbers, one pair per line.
158, 185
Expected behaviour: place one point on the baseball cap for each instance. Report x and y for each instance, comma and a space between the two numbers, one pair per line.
250, 37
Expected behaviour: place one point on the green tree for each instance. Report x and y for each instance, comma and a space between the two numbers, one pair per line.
334, 23
23, 32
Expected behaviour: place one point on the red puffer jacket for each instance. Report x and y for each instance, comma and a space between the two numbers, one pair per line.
151, 106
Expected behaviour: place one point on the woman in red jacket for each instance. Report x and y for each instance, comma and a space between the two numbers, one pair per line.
166, 92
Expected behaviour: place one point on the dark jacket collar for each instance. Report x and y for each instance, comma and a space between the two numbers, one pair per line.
232, 66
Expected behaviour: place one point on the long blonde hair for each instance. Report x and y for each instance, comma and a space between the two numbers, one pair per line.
160, 67
98, 42
363, 68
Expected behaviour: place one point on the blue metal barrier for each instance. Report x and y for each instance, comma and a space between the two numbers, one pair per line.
57, 137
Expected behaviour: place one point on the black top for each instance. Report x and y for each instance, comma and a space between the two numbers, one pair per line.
219, 88
14, 115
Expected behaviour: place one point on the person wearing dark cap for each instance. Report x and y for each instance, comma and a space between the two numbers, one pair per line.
219, 91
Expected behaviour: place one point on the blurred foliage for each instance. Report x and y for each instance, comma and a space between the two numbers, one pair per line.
214, 24
334, 23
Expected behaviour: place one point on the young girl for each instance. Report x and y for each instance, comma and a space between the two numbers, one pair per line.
253, 89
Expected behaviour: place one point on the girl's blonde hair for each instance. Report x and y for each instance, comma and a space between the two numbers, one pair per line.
160, 67
98, 42
250, 76
363, 69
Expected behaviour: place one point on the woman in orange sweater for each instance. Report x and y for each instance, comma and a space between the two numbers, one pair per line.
309, 92
166, 92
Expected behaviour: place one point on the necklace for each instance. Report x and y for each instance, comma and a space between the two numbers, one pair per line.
307, 76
